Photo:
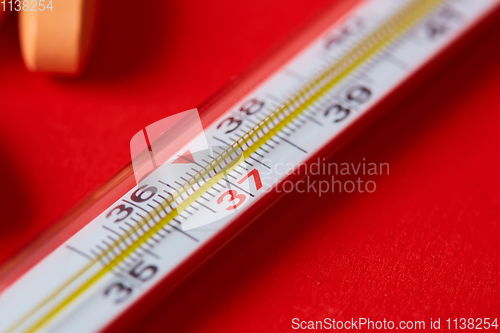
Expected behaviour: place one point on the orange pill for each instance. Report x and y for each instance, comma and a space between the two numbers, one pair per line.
57, 40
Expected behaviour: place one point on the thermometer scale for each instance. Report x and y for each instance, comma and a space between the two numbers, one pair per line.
97, 269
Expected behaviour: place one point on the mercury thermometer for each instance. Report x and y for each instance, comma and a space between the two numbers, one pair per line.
119, 250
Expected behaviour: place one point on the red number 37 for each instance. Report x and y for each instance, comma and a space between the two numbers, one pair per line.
233, 195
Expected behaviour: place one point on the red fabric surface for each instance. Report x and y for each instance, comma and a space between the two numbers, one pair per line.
424, 245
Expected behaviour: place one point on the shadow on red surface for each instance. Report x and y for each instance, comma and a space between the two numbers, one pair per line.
128, 38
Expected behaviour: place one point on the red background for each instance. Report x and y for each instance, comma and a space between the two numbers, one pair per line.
425, 245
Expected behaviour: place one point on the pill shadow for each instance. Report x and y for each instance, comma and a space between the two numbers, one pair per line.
15, 204
126, 38
10, 54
